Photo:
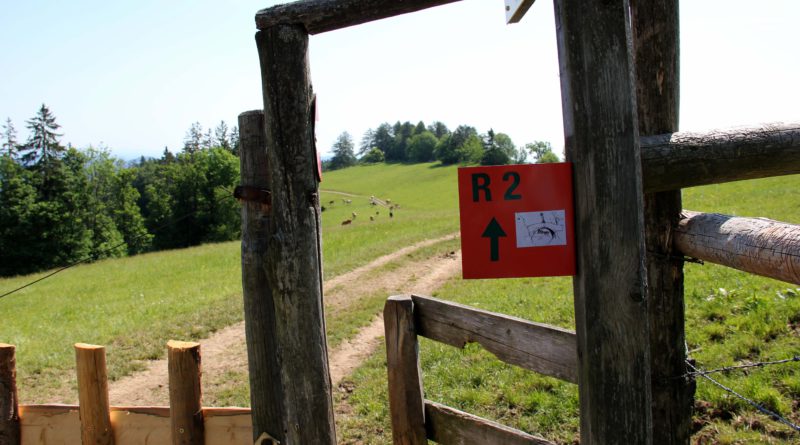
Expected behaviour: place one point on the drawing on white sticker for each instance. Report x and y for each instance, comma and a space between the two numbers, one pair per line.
543, 228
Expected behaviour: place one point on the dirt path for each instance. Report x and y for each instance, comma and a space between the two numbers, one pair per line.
225, 351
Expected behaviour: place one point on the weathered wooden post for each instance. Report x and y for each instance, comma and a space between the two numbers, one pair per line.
9, 405
602, 140
185, 393
406, 404
656, 46
281, 253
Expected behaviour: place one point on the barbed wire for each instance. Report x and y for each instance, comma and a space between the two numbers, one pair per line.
115, 247
752, 403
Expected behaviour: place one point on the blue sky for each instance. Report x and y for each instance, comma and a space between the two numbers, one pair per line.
133, 76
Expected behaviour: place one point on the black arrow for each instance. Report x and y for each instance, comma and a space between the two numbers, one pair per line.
494, 232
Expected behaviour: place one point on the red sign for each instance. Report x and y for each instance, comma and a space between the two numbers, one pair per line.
517, 221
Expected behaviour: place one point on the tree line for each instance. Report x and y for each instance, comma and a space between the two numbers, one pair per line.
60, 205
407, 142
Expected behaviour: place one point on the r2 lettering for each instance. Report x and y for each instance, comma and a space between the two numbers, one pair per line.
481, 183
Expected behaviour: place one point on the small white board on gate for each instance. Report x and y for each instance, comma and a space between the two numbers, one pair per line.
515, 9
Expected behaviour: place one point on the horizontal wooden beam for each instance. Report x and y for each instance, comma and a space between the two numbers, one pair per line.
133, 425
756, 245
449, 425
319, 16
677, 160
545, 349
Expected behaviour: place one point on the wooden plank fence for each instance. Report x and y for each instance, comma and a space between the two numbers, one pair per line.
93, 421
545, 349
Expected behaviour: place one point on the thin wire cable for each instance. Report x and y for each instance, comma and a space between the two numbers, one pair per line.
111, 249
746, 366
755, 405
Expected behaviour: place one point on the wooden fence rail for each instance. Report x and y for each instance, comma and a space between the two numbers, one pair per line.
93, 421
756, 245
545, 349
687, 159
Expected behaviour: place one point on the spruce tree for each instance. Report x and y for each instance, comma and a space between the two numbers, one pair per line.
9, 139
43, 147
221, 136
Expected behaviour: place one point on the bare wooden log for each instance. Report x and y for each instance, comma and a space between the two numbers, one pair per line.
545, 349
656, 46
93, 395
677, 160
185, 393
319, 16
756, 245
293, 259
448, 425
9, 405
406, 403
602, 142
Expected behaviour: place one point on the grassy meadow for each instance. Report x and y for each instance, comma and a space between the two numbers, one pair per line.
134, 305
731, 317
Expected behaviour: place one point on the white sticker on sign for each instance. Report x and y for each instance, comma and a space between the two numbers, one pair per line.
543, 228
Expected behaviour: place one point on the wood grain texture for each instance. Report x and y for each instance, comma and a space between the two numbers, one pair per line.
602, 142
185, 393
406, 403
656, 47
448, 425
93, 395
9, 405
545, 349
687, 159
140, 425
293, 259
757, 245
319, 16
266, 390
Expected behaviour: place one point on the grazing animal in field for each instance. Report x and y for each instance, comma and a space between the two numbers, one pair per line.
391, 214
331, 202
354, 215
347, 201
322, 209
346, 222
372, 218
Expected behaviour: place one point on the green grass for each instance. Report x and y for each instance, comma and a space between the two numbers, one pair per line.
753, 318
135, 305
342, 323
428, 202
131, 305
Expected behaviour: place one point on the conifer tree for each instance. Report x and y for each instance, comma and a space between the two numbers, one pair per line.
9, 139
43, 147
221, 136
